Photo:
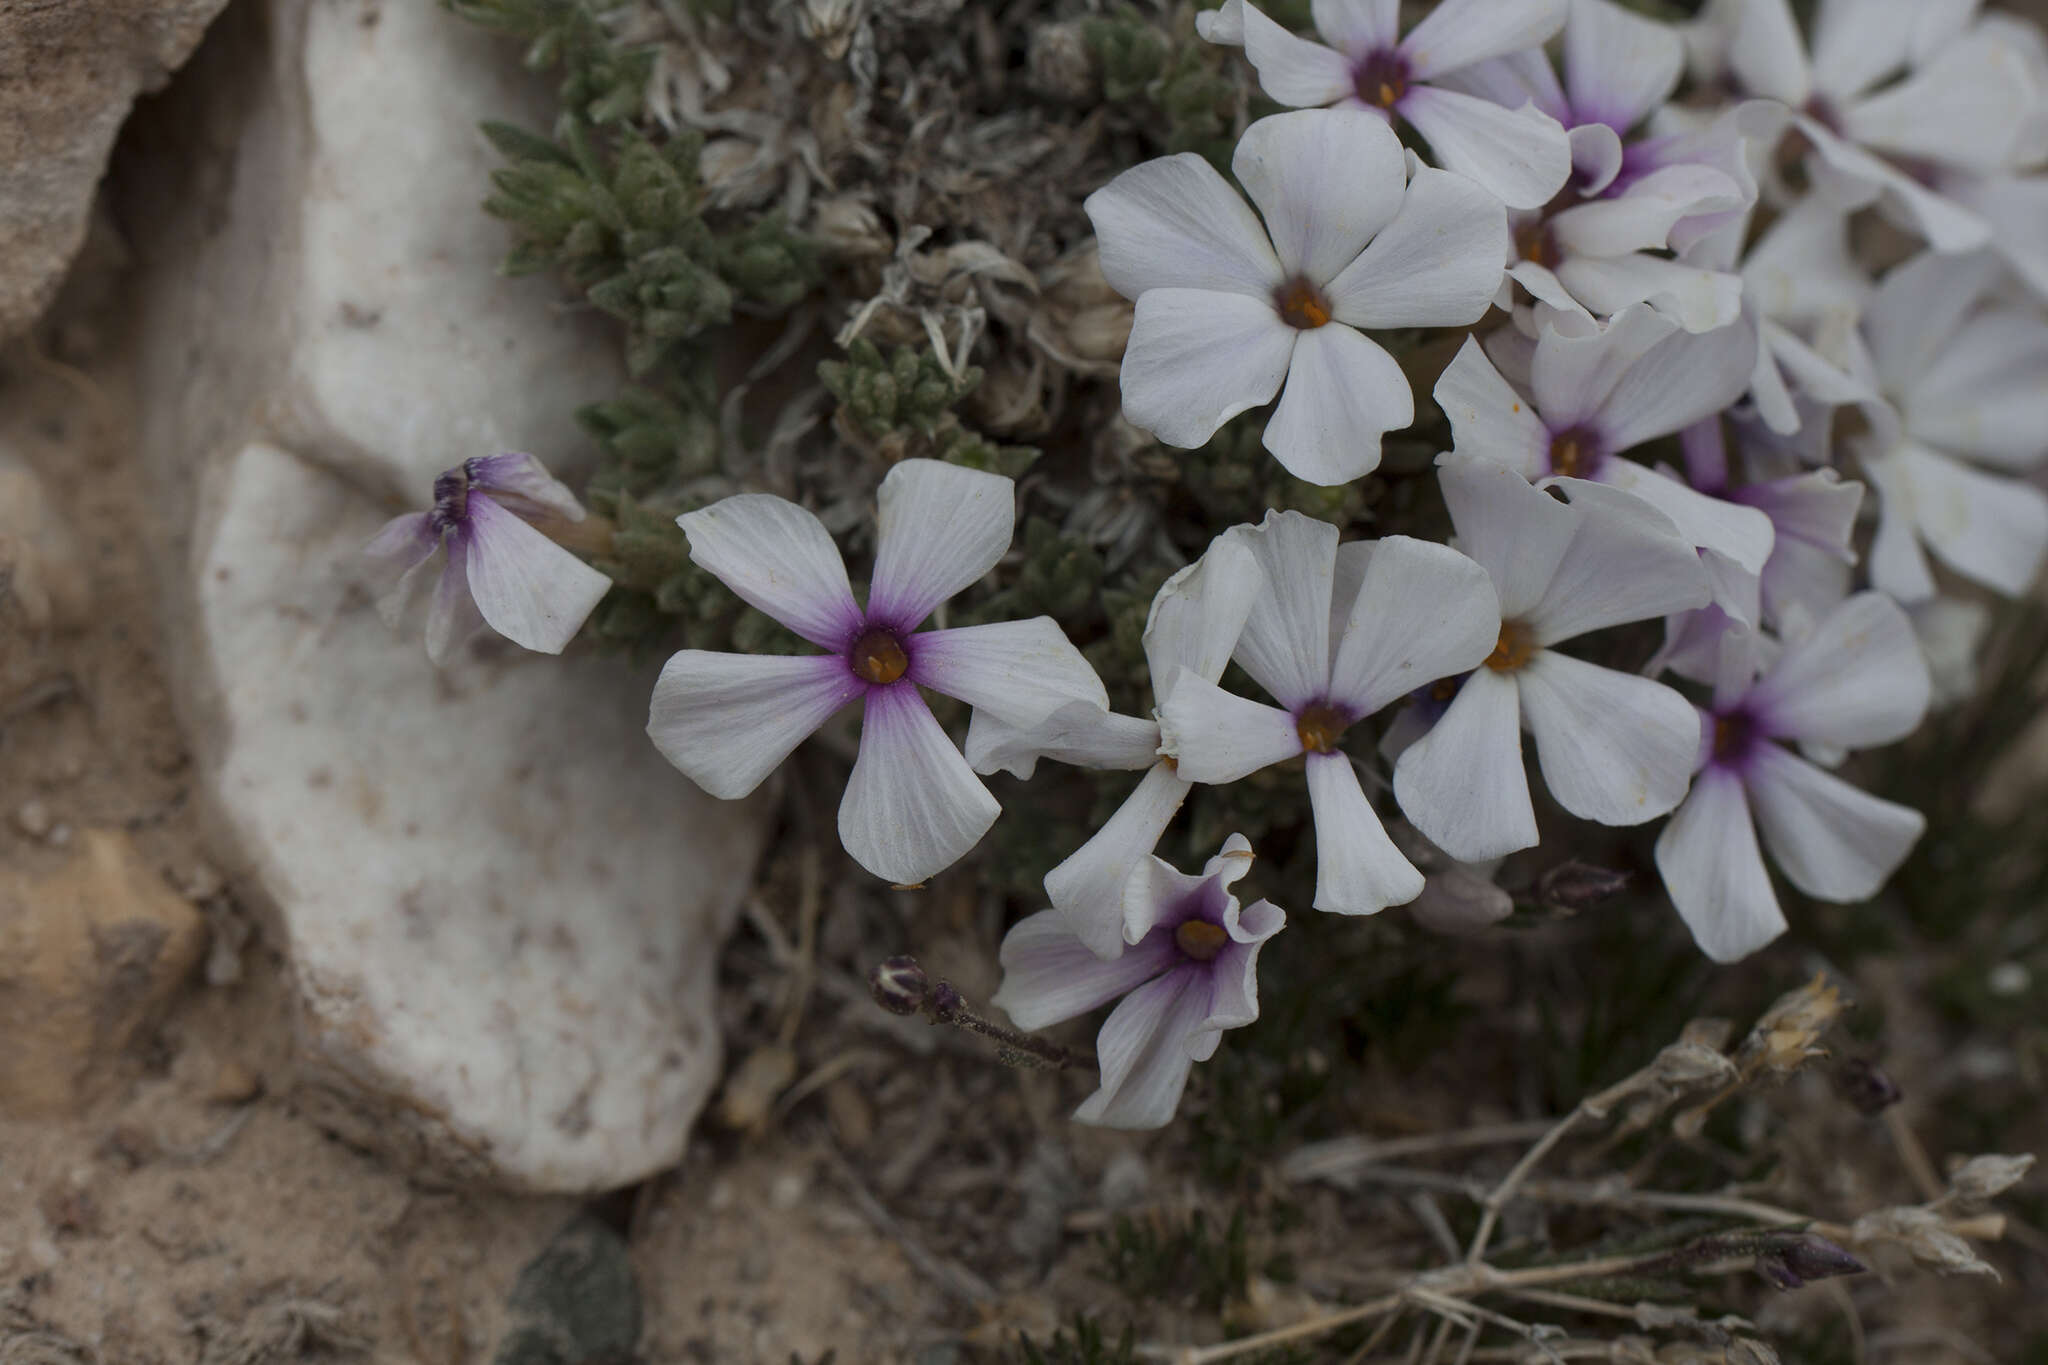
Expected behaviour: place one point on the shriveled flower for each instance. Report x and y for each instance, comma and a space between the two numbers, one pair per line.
1189, 972
1402, 613
1520, 154
1857, 680
913, 806
1355, 236
499, 571
1614, 747
1194, 625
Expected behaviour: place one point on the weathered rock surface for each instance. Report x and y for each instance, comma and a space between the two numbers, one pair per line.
68, 73
43, 577
89, 954
502, 908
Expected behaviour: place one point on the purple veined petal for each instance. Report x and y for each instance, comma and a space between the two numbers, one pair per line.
1898, 565
523, 476
400, 553
1918, 309
912, 807
1235, 975
1963, 109
1143, 1051
1286, 640
1020, 672
1343, 392
1596, 160
1459, 33
1766, 54
726, 721
1292, 70
1516, 531
1175, 223
1697, 299
1357, 27
779, 559
1517, 79
1741, 534
1614, 747
1358, 869
1424, 612
1520, 156
1158, 895
1199, 614
1858, 679
1714, 871
1990, 529
1983, 395
1216, 736
1858, 44
940, 528
1574, 375
1618, 66
1232, 863
1462, 784
1050, 976
1854, 177
529, 589
1088, 887
1196, 359
1437, 264
1622, 565
1326, 180
1833, 841
1079, 733
1489, 420
452, 617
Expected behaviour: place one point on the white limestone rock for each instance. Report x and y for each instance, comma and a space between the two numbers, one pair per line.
503, 910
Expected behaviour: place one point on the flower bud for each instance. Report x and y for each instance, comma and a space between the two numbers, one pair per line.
1572, 886
899, 985
1984, 1178
1803, 1259
1924, 1235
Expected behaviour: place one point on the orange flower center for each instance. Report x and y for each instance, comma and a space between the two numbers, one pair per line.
878, 657
1320, 727
1301, 304
1381, 79
1574, 452
1200, 939
1515, 648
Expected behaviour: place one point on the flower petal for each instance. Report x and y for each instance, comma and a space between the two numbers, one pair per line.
1573, 374
1198, 614
452, 617
1286, 640
1018, 671
529, 589
1424, 612
1618, 66
1235, 977
1326, 180
1488, 418
1342, 392
1437, 264
1080, 733
1196, 359
1217, 736
780, 559
399, 553
1293, 70
1741, 534
1962, 109
1846, 172
1990, 529
1620, 567
523, 476
940, 528
1462, 784
1767, 55
1050, 976
1614, 747
1983, 395
1460, 33
1357, 27
1088, 887
1175, 223
1519, 533
1143, 1050
1858, 679
1918, 309
1833, 841
1858, 44
912, 807
1714, 871
1358, 869
1697, 299
1520, 156
727, 720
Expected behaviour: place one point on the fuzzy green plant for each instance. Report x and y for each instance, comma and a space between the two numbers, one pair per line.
602, 82
900, 406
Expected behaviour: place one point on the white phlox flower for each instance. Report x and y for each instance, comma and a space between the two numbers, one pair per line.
1188, 972
1594, 392
2013, 201
912, 806
1962, 388
1193, 626
1458, 899
1336, 634
1854, 681
499, 571
1951, 631
1355, 236
1520, 154
1614, 747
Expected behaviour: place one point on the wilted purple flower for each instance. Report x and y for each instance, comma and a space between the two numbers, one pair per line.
499, 570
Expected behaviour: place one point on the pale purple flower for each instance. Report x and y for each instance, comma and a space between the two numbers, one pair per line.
1336, 634
1190, 971
913, 806
1520, 155
1194, 625
1614, 747
1856, 680
498, 570
1228, 309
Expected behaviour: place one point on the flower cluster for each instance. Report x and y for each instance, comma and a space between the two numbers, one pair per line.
1675, 397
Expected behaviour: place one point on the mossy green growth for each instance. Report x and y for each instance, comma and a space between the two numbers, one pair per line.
900, 406
601, 81
1179, 76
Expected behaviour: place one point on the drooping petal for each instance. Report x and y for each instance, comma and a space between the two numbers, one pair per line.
912, 807
1520, 156
1159, 895
399, 554
1423, 612
1983, 396
1196, 359
939, 529
1741, 534
1858, 679
1019, 672
1080, 733
1572, 374
1199, 614
728, 720
1143, 1050
1519, 533
1088, 887
1990, 529
1286, 640
452, 616
1614, 747
1293, 70
1463, 784
1217, 736
1358, 869
780, 559
1834, 841
1460, 33
1235, 974
1714, 871
525, 477
1621, 566
1050, 976
1488, 418
1326, 180
1437, 264
529, 589
1356, 27
1342, 392
1618, 66
1175, 223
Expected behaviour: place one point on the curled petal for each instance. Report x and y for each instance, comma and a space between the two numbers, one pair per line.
523, 476
1143, 1050
1088, 887
452, 616
1080, 733
1423, 612
1286, 640
1216, 736
1199, 614
1049, 975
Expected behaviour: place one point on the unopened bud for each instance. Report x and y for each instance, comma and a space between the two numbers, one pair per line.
1573, 886
1983, 1178
1803, 1259
1924, 1235
1863, 1084
899, 985
1685, 1065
